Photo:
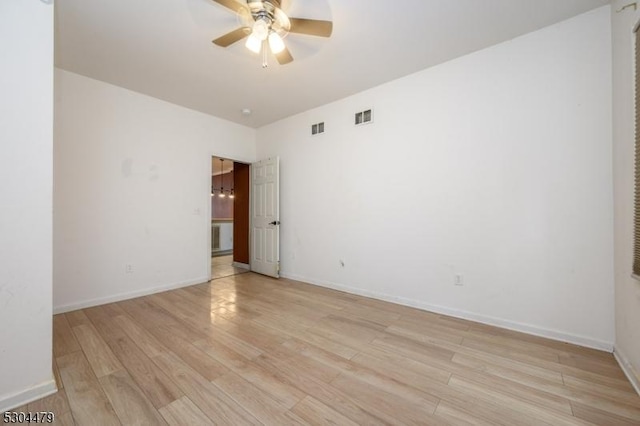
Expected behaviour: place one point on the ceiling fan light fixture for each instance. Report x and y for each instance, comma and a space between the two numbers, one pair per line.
261, 28
276, 43
253, 43
265, 22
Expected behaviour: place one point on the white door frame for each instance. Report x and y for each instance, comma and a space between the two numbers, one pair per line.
209, 274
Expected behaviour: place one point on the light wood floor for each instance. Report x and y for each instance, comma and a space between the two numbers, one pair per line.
222, 266
249, 350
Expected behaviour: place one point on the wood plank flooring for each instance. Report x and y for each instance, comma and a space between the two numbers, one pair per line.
222, 266
247, 349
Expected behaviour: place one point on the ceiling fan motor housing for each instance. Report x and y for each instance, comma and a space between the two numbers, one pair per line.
269, 12
256, 3
263, 20
261, 9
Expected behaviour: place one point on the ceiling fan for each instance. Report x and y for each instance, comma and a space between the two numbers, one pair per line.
265, 24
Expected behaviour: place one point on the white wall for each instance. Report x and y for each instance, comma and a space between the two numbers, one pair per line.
627, 289
26, 140
132, 187
496, 165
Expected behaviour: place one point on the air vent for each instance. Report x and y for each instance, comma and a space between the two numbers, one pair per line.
317, 128
364, 117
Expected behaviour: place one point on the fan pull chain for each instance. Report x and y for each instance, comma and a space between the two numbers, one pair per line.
265, 64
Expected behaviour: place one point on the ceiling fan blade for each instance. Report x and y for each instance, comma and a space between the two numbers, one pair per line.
311, 27
284, 57
230, 38
231, 4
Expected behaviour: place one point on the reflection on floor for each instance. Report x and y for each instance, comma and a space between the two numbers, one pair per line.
222, 266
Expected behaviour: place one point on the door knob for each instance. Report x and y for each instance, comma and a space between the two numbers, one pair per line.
275, 222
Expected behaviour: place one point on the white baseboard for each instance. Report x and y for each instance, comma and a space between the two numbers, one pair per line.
628, 369
485, 319
240, 265
21, 398
124, 296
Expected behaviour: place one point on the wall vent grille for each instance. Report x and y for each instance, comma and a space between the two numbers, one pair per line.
364, 117
317, 128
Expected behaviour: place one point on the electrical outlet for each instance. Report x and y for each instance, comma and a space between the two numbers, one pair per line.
458, 279
128, 268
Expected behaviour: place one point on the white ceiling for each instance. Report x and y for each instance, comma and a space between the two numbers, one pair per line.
163, 48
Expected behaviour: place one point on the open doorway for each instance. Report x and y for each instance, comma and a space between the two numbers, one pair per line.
229, 218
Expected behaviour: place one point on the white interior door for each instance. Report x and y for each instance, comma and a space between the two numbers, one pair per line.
265, 217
